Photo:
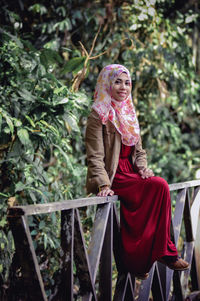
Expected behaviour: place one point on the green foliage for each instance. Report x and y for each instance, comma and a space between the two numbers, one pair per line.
38, 114
166, 90
40, 128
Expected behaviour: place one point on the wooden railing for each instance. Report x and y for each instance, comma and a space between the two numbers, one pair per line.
94, 263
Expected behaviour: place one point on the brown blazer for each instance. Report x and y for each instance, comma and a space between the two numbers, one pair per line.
103, 144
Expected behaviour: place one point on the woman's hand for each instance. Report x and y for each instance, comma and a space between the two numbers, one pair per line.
146, 173
105, 191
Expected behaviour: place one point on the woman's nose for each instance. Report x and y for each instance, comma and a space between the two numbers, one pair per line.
123, 86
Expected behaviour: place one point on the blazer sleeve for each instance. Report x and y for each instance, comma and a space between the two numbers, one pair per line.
97, 175
139, 158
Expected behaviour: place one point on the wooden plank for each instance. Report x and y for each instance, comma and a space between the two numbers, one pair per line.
33, 283
124, 282
196, 190
70, 204
105, 268
120, 290
166, 275
157, 288
178, 214
81, 259
195, 208
145, 287
193, 273
177, 292
97, 237
197, 252
117, 241
163, 276
177, 220
175, 232
129, 292
194, 296
96, 243
177, 186
187, 219
169, 277
67, 245
120, 287
59, 206
133, 284
189, 247
195, 214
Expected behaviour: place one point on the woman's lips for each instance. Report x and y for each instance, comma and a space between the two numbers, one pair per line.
122, 93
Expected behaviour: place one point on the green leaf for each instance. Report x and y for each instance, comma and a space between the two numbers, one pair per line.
62, 101
38, 8
13, 38
74, 64
34, 232
58, 90
45, 241
66, 157
41, 225
19, 186
30, 120
17, 122
0, 121
49, 56
78, 68
1, 268
71, 122
5, 195
52, 128
9, 122
63, 25
3, 222
23, 136
25, 94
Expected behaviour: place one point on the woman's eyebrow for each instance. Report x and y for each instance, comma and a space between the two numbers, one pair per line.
119, 79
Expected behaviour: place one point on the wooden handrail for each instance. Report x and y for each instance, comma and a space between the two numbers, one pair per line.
182, 185
59, 206
105, 241
82, 202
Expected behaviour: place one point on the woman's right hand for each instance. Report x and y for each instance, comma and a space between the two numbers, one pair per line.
105, 191
146, 173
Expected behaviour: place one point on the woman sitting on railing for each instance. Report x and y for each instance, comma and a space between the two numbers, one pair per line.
117, 165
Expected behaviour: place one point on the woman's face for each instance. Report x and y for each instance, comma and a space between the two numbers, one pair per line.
121, 88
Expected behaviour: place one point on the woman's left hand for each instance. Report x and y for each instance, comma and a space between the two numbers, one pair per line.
146, 173
105, 191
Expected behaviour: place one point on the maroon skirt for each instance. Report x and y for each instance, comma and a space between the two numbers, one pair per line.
145, 216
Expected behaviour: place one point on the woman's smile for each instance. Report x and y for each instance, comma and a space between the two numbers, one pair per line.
121, 87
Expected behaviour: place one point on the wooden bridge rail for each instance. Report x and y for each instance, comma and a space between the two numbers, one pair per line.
94, 264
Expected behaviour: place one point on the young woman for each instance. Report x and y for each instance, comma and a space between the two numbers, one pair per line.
117, 164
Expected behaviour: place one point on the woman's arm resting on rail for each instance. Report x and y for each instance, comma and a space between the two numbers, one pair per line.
105, 191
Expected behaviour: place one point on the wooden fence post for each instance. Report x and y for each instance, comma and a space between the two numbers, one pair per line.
33, 287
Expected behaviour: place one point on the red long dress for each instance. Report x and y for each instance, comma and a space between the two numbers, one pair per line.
145, 216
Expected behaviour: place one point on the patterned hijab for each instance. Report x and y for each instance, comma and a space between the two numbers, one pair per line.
121, 113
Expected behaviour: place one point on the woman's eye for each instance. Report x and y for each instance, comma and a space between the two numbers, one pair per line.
117, 82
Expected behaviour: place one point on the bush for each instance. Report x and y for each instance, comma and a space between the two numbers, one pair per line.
40, 125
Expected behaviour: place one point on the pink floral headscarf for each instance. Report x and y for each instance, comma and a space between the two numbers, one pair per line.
121, 114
